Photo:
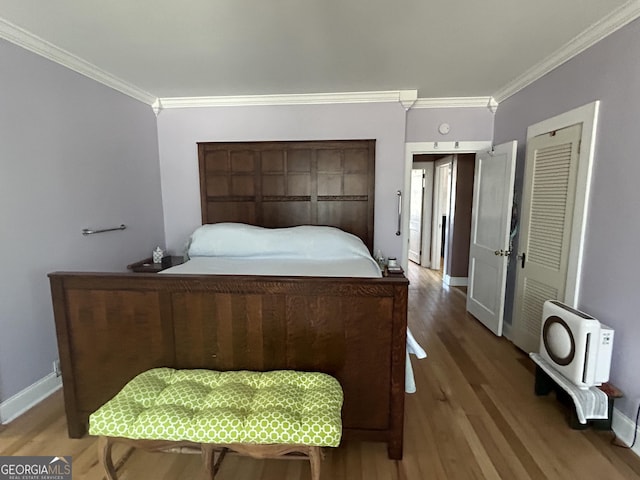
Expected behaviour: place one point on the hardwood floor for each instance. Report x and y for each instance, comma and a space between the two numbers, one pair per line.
474, 416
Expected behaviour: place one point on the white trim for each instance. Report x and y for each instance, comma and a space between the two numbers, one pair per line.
493, 105
455, 281
416, 148
156, 106
35, 44
592, 35
587, 115
405, 97
453, 102
22, 401
624, 427
408, 98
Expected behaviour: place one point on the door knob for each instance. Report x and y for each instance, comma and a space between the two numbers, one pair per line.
502, 253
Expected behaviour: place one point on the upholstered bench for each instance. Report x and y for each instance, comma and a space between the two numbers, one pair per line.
261, 414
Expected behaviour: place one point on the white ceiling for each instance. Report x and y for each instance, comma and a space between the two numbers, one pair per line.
454, 48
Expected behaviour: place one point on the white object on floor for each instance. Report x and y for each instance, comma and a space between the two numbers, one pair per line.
590, 403
412, 347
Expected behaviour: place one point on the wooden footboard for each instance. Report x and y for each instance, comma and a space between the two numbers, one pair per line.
112, 326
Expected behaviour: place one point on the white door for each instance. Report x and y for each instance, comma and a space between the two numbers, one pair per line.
441, 204
415, 215
427, 213
490, 231
545, 229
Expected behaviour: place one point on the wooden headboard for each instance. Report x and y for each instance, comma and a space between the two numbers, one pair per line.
283, 184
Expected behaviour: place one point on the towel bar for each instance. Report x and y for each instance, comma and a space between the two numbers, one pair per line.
399, 195
89, 231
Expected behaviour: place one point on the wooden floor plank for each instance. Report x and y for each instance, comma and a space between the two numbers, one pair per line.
474, 415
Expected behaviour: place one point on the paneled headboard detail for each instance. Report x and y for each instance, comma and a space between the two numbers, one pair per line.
282, 184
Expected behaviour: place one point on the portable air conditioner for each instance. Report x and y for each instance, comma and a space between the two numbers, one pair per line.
577, 345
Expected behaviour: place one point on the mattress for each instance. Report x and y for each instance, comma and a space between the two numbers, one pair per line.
362, 267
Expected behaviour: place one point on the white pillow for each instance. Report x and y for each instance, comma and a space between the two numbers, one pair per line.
306, 241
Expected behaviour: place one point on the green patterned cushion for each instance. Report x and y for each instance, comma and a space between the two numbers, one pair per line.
206, 406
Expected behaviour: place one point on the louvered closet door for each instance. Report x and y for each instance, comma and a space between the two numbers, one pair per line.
545, 229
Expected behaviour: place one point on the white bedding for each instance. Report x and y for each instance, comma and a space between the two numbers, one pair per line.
305, 250
348, 267
304, 241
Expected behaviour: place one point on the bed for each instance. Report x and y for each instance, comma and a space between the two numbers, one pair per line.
112, 326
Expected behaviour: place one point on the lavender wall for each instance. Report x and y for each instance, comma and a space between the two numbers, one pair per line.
467, 124
610, 72
73, 154
180, 129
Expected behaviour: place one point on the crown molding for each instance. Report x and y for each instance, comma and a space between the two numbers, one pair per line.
402, 96
453, 102
21, 37
408, 98
596, 32
492, 105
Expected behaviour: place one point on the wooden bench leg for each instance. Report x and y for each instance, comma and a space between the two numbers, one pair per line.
208, 456
211, 464
315, 458
104, 456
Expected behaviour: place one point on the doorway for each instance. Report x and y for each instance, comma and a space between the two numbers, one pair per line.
445, 239
421, 209
436, 150
429, 209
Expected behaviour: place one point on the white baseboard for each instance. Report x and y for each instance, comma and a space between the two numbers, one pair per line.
22, 401
455, 281
624, 428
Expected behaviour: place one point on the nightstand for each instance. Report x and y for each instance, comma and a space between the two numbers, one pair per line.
147, 265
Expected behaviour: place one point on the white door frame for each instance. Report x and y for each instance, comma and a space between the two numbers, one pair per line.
588, 116
418, 148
